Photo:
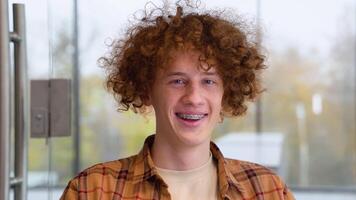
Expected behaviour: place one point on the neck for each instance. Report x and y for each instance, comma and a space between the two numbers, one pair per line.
178, 157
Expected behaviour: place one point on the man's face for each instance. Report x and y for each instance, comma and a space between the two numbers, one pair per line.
187, 100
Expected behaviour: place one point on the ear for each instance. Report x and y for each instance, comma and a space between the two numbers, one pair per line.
221, 117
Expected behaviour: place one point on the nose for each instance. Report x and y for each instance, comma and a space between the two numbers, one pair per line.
193, 95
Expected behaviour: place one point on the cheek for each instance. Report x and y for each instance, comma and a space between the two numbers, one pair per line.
164, 103
171, 96
216, 106
219, 99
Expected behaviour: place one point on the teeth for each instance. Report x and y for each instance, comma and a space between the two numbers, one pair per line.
192, 117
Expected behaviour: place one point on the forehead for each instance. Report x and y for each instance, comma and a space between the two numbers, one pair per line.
189, 61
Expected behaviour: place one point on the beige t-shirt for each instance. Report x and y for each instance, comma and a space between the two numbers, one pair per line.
199, 183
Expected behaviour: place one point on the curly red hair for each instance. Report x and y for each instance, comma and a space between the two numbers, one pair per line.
133, 60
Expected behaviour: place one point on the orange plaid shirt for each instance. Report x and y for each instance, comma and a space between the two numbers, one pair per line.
136, 177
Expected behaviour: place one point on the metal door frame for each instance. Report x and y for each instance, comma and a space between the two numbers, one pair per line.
21, 107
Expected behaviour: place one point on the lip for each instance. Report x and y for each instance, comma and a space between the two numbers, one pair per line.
191, 123
192, 112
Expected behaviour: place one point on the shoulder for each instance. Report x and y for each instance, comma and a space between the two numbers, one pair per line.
111, 169
257, 179
248, 172
244, 169
101, 174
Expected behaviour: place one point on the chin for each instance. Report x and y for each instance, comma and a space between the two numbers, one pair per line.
193, 139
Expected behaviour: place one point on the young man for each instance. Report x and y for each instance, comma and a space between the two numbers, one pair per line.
193, 69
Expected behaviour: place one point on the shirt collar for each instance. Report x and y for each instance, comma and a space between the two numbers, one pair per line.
143, 168
225, 177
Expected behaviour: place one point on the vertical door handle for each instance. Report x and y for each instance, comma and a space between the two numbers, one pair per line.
4, 101
21, 100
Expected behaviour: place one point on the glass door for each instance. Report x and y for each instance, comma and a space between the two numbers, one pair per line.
51, 57
50, 61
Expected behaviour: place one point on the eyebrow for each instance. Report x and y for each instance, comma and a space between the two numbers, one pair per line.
184, 74
211, 73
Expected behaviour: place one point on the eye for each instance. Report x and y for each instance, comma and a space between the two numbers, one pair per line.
209, 81
177, 82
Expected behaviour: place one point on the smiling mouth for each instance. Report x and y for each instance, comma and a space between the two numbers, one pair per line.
191, 117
